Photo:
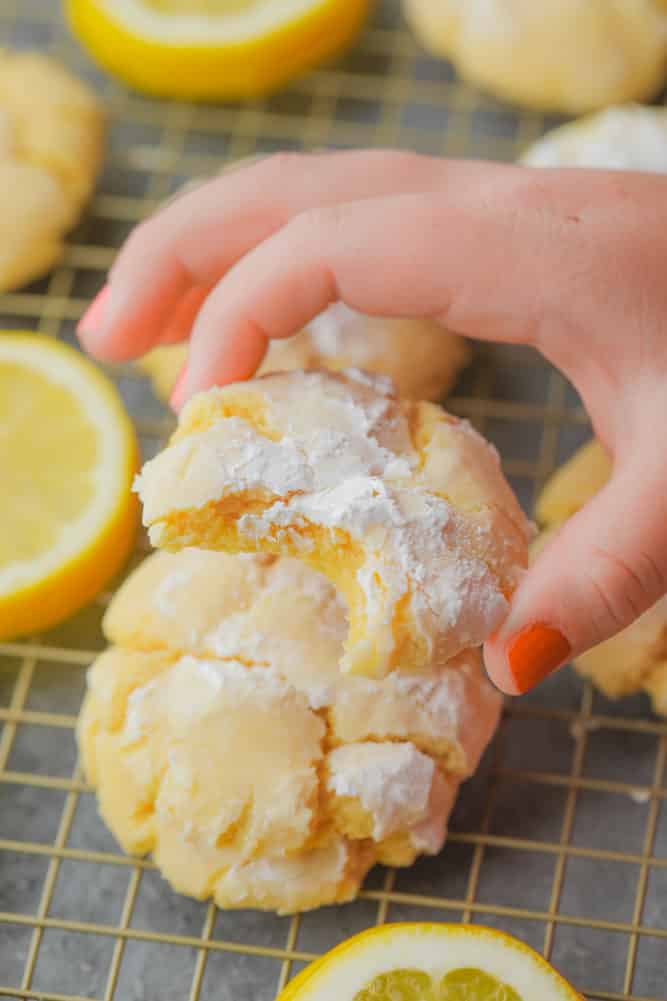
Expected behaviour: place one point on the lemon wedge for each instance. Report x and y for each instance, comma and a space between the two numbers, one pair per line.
68, 454
430, 962
213, 49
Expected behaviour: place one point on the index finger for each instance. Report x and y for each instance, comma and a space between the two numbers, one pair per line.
196, 238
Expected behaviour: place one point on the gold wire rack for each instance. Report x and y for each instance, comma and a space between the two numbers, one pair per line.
562, 836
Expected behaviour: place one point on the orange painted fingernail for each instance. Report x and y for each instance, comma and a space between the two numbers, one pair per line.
176, 400
534, 653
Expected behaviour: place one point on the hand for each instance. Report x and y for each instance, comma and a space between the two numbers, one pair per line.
570, 262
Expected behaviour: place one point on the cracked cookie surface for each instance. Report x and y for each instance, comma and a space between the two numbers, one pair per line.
221, 736
402, 506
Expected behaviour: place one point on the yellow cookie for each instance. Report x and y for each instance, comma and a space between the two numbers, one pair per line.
215, 766
423, 359
630, 137
51, 134
635, 660
393, 794
403, 507
555, 55
221, 736
265, 611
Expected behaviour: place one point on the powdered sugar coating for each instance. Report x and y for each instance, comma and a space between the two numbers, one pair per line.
437, 535
400, 789
267, 778
281, 615
628, 137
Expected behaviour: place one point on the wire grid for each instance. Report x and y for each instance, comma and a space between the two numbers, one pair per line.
561, 838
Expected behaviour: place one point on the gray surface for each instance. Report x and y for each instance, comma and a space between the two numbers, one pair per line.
523, 802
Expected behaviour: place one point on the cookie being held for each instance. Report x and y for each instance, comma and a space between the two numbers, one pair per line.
402, 506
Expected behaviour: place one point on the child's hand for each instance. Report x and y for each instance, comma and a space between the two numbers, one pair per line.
572, 262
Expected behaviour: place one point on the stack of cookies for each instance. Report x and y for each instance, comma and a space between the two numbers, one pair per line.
294, 691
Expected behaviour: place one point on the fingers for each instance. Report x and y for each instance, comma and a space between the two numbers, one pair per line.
178, 325
604, 568
440, 254
488, 249
195, 239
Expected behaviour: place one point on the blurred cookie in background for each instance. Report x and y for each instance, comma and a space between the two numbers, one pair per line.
51, 141
570, 56
629, 137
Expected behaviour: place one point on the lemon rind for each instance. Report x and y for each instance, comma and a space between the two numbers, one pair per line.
222, 68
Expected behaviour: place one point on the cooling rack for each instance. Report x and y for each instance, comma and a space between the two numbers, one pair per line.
562, 836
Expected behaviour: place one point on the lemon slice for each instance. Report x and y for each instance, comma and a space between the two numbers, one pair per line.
208, 49
68, 454
573, 484
430, 962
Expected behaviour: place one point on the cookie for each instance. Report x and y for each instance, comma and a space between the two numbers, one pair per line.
570, 56
631, 137
402, 506
211, 766
221, 736
423, 359
266, 611
51, 137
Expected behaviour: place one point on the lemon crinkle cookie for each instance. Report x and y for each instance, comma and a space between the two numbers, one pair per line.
421, 357
278, 613
261, 776
51, 136
635, 659
628, 137
556, 55
402, 506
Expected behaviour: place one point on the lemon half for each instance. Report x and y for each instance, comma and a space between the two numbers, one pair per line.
68, 454
213, 49
430, 962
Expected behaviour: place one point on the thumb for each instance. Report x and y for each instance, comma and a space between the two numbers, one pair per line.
606, 566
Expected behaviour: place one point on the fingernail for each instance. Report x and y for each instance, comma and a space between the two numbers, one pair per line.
534, 653
177, 398
93, 318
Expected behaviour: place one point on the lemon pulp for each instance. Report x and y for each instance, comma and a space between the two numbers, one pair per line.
458, 985
474, 985
68, 454
398, 985
39, 502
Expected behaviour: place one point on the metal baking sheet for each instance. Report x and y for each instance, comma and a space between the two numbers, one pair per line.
562, 836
